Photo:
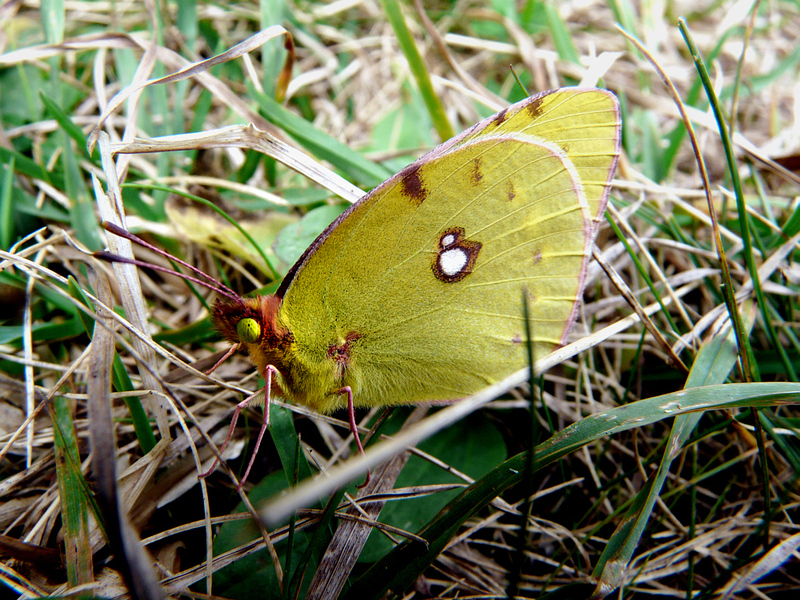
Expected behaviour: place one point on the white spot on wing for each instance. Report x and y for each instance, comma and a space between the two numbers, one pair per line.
453, 261
448, 240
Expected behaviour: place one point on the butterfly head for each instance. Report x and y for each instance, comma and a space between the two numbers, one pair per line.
253, 323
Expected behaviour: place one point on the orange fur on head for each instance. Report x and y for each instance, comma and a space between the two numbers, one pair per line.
274, 339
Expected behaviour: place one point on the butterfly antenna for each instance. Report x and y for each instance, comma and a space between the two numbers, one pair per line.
116, 258
124, 233
207, 281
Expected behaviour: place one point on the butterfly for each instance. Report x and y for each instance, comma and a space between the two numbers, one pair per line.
414, 294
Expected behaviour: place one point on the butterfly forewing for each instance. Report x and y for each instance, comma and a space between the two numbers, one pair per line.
416, 294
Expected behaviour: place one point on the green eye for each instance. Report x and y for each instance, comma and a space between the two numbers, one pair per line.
248, 331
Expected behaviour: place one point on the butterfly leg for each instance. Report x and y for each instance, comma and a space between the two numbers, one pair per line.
269, 372
235, 418
351, 413
225, 357
264, 425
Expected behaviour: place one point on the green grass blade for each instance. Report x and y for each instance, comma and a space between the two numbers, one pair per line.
561, 36
72, 488
67, 125
53, 20
26, 166
6, 208
418, 69
286, 440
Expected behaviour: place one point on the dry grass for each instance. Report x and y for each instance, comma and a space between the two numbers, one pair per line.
711, 523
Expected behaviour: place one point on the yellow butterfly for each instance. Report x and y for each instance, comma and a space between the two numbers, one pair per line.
414, 293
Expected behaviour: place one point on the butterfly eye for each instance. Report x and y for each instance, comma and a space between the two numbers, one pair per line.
248, 331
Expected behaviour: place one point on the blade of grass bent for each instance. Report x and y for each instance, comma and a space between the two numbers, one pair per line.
741, 207
321, 144
712, 366
748, 364
399, 569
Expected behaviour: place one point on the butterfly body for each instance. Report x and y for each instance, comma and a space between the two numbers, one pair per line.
414, 294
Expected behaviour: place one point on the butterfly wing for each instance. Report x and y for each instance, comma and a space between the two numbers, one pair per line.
415, 293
